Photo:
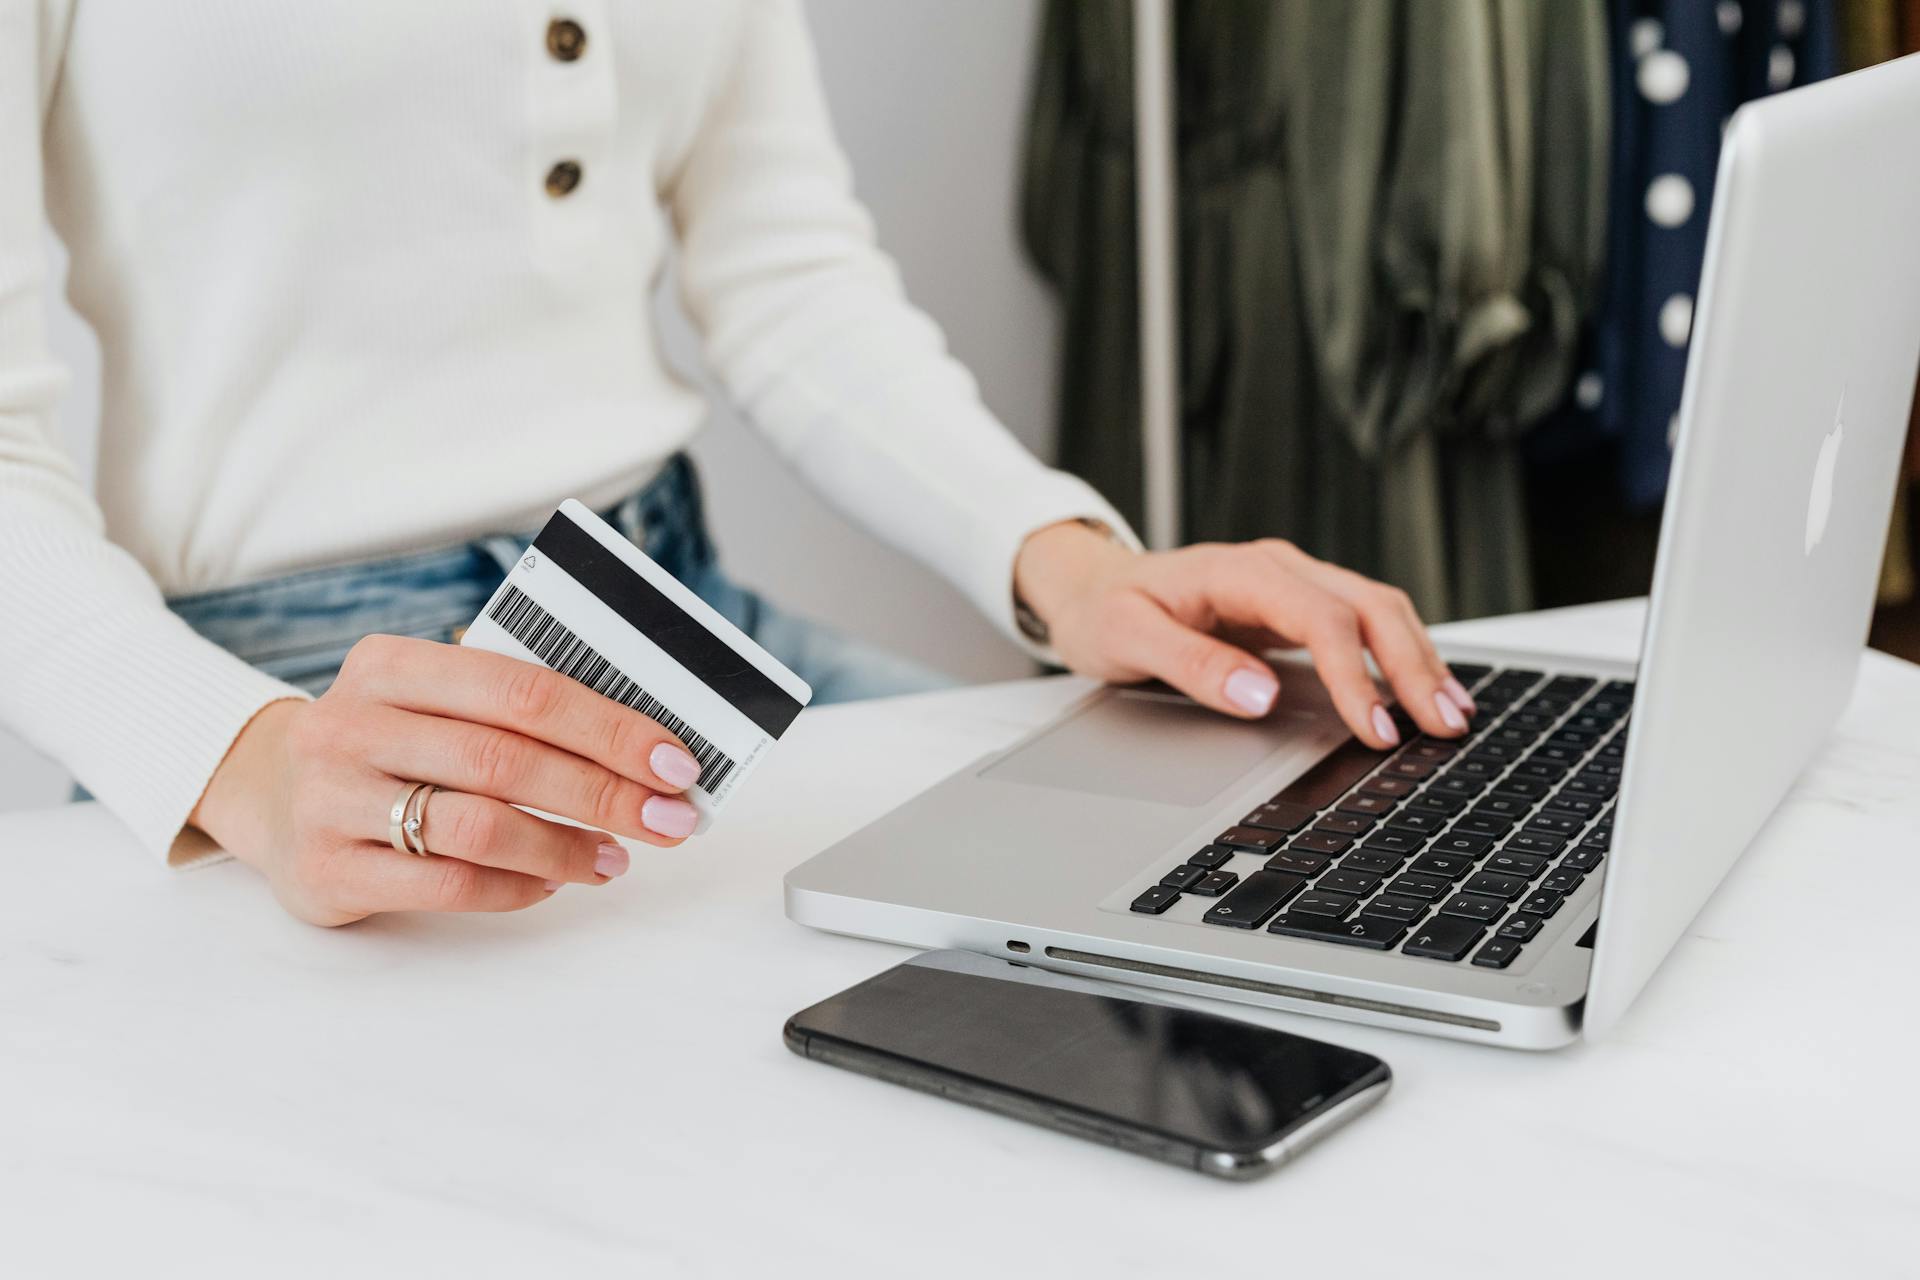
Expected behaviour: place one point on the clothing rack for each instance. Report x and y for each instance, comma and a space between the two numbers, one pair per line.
1156, 194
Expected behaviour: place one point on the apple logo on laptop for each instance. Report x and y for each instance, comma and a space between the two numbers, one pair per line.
1820, 500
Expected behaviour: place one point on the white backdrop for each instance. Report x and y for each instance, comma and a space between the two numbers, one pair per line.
929, 97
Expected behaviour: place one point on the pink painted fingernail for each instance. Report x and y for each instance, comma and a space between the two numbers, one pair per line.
1384, 726
1458, 692
669, 816
552, 885
674, 765
1252, 691
1449, 714
611, 859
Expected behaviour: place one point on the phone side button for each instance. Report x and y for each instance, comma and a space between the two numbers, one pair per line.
1376, 933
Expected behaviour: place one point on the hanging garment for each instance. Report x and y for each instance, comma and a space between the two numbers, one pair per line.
1869, 34
1681, 68
1390, 228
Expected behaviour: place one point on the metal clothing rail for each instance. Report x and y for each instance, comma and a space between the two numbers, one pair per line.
1157, 214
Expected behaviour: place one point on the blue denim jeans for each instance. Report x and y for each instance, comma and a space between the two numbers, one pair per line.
300, 627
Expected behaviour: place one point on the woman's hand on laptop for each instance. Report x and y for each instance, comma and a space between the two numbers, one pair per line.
1190, 617
305, 793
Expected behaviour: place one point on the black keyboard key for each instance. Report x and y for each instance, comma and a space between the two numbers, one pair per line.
1544, 770
1520, 678
1391, 788
1444, 937
1432, 750
1372, 862
1156, 900
1419, 886
1555, 824
1210, 857
1332, 777
1501, 805
1368, 804
1252, 839
1405, 767
1395, 907
1395, 842
1184, 876
1431, 801
1513, 735
1284, 818
1475, 768
1565, 880
1519, 927
1474, 907
1258, 897
1494, 885
1462, 843
1345, 824
1569, 686
1215, 883
1581, 807
1600, 838
1534, 842
1376, 933
1421, 823
1524, 865
1447, 866
1468, 673
1542, 904
1577, 740
1483, 824
1344, 880
1334, 906
1458, 785
1528, 788
1498, 953
1590, 785
1298, 863
1498, 752
1317, 841
1585, 858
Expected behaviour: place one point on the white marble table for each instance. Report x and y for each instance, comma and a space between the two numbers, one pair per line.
192, 1083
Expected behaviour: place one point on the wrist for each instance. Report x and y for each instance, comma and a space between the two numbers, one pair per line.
1057, 564
233, 809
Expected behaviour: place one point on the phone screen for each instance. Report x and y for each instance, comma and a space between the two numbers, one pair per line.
1212, 1081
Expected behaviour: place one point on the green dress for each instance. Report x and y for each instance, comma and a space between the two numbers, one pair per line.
1391, 229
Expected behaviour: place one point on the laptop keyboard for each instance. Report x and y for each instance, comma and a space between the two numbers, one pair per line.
1443, 848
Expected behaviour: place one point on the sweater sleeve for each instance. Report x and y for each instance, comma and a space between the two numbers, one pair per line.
94, 669
807, 327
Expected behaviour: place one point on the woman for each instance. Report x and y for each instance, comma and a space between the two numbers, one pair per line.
371, 286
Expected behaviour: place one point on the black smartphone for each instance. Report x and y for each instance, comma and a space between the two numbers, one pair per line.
1195, 1089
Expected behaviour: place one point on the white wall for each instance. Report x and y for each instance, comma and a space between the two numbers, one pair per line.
929, 96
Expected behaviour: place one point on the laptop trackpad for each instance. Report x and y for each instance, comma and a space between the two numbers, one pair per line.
1142, 745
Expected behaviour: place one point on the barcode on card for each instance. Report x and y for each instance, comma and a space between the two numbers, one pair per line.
551, 642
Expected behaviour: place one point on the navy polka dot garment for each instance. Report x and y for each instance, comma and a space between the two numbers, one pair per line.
1680, 68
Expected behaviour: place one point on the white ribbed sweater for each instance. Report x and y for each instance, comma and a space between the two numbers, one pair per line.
342, 316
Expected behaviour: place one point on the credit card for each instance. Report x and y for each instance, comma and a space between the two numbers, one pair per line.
584, 601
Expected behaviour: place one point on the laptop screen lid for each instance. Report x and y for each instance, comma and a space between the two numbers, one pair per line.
1799, 383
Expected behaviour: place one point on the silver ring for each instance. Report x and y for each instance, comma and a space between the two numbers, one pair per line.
397, 818
414, 828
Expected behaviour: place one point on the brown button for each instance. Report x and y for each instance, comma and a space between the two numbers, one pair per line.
563, 178
566, 39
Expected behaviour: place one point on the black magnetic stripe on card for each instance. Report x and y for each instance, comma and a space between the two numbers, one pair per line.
685, 638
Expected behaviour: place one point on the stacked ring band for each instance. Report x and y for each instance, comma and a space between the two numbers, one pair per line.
407, 821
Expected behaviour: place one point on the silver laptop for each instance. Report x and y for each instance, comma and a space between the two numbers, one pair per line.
1521, 885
